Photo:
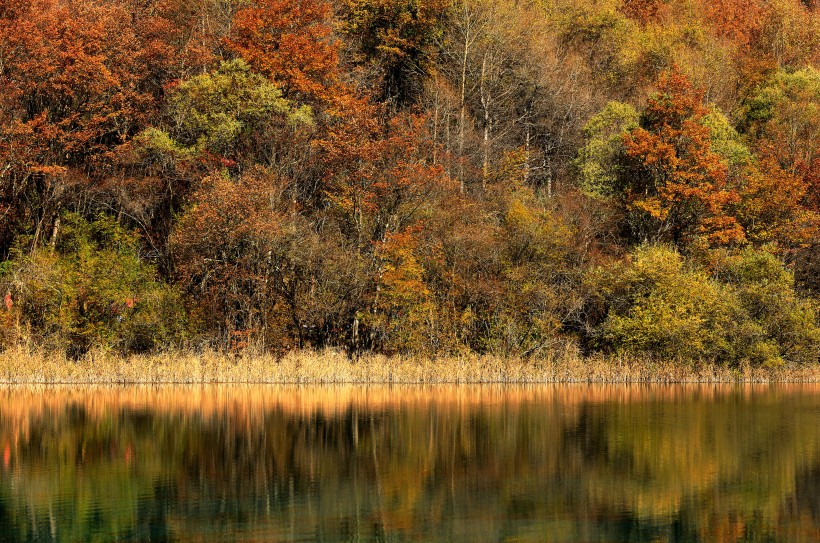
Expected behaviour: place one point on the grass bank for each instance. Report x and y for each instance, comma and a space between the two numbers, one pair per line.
21, 365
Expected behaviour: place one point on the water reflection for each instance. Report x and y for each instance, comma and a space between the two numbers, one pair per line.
545, 463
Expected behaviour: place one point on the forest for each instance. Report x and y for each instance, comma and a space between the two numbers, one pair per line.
505, 177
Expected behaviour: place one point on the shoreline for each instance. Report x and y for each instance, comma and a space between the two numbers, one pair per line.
30, 366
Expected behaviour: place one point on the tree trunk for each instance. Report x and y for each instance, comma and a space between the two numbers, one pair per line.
463, 112
485, 106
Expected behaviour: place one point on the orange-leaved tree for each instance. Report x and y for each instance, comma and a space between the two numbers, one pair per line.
403, 312
642, 11
676, 186
735, 20
71, 92
290, 42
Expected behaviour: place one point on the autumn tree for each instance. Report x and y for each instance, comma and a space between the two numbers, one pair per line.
257, 272
396, 40
734, 20
599, 161
382, 181
225, 115
179, 38
783, 117
772, 209
676, 188
642, 11
403, 313
506, 83
70, 93
746, 311
289, 41
787, 37
380, 188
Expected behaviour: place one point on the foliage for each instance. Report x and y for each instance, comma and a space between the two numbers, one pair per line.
70, 92
435, 177
780, 203
726, 141
656, 305
93, 290
772, 209
784, 117
226, 249
404, 311
748, 312
678, 186
289, 41
598, 160
788, 325
397, 38
257, 271
225, 113
642, 11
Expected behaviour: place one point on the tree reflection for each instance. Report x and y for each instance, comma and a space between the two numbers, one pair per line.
557, 463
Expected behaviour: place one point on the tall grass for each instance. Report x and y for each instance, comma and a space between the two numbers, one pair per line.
31, 365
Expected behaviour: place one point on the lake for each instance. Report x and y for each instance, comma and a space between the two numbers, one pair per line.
564, 463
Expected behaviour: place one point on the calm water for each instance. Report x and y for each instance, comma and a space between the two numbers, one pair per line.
546, 463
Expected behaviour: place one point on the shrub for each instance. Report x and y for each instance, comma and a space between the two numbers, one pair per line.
92, 289
657, 305
765, 292
748, 311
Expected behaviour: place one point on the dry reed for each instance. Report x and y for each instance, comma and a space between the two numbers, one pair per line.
21, 365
